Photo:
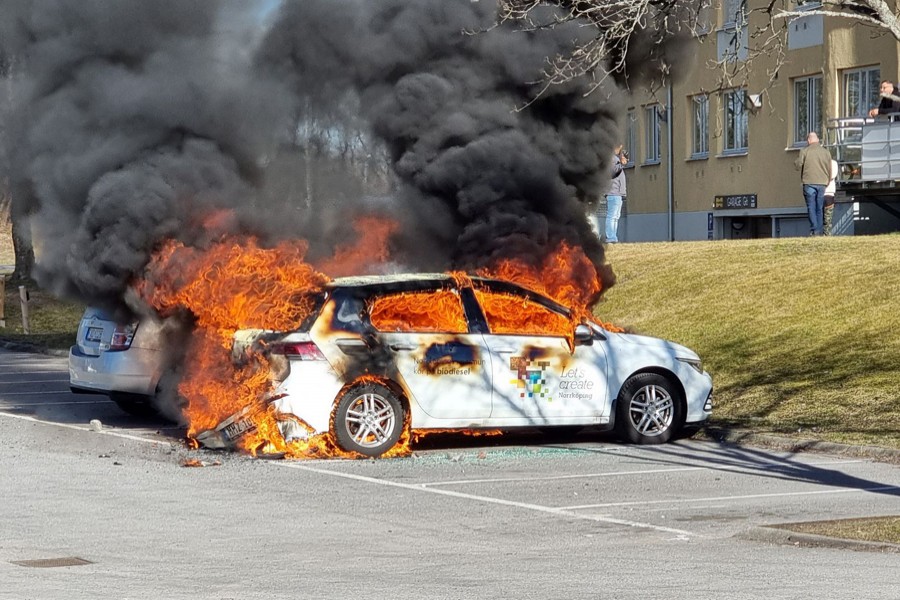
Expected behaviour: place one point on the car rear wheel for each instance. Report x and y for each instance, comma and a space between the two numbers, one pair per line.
368, 419
650, 409
137, 405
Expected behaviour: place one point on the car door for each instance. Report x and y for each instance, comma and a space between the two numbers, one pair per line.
537, 376
445, 368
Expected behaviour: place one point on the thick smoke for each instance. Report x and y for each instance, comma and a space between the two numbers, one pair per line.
489, 167
137, 121
133, 121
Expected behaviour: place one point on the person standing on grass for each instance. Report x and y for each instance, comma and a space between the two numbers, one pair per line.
828, 208
814, 164
615, 196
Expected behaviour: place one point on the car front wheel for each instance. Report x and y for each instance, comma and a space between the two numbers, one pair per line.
650, 409
368, 419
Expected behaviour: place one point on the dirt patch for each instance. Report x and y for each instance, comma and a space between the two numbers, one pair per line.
872, 529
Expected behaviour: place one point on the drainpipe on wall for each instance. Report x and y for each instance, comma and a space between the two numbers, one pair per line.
670, 175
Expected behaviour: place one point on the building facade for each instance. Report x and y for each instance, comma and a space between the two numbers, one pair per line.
708, 163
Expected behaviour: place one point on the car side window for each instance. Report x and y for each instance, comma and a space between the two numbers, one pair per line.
511, 314
425, 312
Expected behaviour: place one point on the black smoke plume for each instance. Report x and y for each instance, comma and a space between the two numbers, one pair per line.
490, 164
133, 121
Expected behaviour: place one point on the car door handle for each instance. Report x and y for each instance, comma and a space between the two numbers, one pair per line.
504, 350
402, 347
352, 346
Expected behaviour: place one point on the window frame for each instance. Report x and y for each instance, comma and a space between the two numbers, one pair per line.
737, 121
652, 153
731, 10
874, 89
813, 109
700, 130
630, 136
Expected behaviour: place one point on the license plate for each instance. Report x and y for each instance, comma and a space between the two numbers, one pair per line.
94, 334
237, 429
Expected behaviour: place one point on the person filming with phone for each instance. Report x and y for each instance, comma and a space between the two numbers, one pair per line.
615, 196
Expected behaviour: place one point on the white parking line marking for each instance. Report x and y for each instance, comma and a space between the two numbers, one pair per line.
682, 534
35, 381
23, 404
882, 488
33, 393
88, 429
735, 468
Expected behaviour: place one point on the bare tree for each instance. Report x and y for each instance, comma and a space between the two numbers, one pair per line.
9, 208
628, 40
633, 32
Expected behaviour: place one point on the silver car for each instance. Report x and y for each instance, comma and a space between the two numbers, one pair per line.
121, 360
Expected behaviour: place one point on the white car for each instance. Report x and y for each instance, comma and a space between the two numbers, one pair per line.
381, 354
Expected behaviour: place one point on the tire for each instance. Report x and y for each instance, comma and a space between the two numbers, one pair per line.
368, 420
137, 405
649, 410
560, 432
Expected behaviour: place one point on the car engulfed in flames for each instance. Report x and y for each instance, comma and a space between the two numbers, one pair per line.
285, 360
380, 359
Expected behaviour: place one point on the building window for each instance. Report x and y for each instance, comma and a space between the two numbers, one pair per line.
735, 121
807, 108
651, 134
735, 13
630, 134
862, 91
700, 114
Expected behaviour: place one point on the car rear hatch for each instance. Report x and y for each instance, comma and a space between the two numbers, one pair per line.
98, 333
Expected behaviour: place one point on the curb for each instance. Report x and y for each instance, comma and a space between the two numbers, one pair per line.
743, 437
785, 537
26, 347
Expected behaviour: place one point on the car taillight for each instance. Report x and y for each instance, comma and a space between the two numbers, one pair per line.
122, 336
298, 350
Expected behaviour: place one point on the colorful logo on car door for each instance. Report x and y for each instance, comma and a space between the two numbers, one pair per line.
531, 377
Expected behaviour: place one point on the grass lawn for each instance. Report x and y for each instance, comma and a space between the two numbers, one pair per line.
801, 335
876, 529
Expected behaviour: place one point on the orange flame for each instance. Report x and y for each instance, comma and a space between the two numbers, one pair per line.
566, 275
371, 248
439, 312
508, 314
236, 284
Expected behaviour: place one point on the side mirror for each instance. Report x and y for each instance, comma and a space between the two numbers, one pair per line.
583, 335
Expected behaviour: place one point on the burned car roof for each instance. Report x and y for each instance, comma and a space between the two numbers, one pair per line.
387, 280
411, 282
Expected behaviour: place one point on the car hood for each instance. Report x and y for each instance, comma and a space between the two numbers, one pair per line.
652, 342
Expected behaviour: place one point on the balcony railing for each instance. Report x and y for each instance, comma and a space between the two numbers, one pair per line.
867, 149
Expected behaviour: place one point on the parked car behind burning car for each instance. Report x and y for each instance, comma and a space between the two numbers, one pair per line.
383, 355
125, 361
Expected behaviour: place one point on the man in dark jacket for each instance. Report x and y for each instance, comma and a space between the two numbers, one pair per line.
890, 101
814, 164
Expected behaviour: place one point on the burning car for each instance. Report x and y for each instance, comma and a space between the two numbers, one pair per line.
380, 356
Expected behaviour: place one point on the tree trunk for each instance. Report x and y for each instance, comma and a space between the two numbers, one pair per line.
21, 237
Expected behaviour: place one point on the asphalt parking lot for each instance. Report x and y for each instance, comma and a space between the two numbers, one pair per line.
513, 516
